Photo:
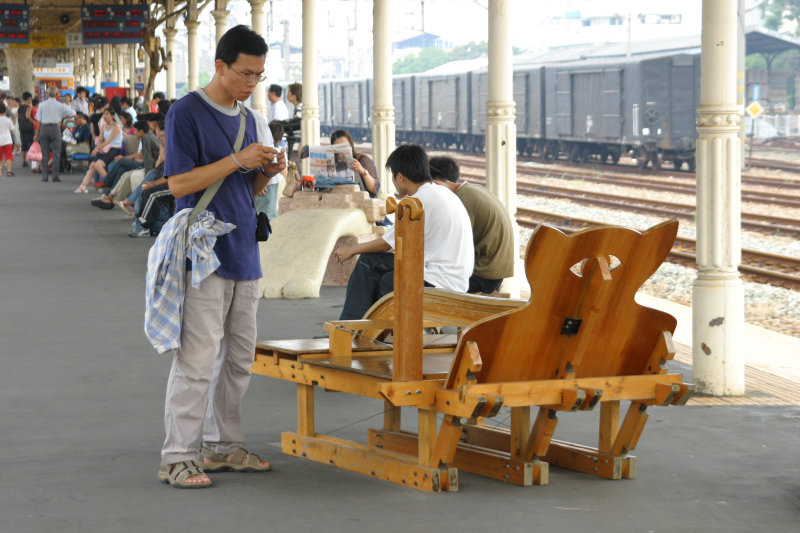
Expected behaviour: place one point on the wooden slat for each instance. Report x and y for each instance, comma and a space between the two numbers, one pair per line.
371, 461
609, 425
471, 458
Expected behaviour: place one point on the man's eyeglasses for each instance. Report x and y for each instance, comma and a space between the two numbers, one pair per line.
250, 78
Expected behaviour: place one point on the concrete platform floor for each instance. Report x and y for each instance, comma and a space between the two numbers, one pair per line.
81, 401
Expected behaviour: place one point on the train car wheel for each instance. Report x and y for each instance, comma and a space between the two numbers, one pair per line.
692, 164
677, 163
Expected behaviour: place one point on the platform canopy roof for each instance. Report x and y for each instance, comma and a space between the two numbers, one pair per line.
760, 40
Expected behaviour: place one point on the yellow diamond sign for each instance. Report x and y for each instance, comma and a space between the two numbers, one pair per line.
754, 109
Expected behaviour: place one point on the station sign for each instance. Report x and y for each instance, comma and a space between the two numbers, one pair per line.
114, 24
40, 40
15, 23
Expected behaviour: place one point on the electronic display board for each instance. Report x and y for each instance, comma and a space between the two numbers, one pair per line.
113, 24
14, 24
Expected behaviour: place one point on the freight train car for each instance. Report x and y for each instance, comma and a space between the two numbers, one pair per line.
588, 110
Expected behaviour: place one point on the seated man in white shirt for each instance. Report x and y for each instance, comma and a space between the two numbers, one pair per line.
449, 254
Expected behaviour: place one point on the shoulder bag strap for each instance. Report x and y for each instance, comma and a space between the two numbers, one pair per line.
210, 191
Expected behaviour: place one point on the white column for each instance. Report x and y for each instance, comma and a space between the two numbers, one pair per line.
146, 77
169, 35
120, 53
718, 297
501, 132
221, 18
87, 60
309, 124
383, 128
191, 32
259, 98
98, 68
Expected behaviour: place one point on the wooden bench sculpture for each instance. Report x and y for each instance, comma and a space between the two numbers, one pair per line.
580, 340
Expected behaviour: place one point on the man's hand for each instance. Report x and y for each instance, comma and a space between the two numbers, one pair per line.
257, 155
117, 158
146, 185
277, 164
344, 253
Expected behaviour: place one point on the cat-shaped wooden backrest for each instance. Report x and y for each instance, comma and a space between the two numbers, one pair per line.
581, 319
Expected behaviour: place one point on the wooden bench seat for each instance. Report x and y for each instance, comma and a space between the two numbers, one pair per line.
579, 342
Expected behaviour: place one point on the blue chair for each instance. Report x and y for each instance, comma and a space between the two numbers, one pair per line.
79, 159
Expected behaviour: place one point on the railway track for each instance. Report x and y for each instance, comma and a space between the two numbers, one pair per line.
763, 223
762, 267
682, 186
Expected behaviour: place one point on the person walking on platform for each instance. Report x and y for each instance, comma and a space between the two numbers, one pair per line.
277, 107
217, 335
50, 114
492, 231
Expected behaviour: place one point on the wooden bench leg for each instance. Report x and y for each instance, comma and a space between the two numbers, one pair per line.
305, 409
392, 416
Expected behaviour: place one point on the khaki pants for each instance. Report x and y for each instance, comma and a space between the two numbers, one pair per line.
127, 183
211, 370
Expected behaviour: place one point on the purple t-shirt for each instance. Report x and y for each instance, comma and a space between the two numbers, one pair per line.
194, 139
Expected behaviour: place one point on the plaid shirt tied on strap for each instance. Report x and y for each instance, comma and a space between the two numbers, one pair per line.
166, 271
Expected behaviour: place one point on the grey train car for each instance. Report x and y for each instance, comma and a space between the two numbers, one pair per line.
442, 110
592, 109
645, 107
528, 87
403, 101
351, 107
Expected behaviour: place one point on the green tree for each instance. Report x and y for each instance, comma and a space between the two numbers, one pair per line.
776, 12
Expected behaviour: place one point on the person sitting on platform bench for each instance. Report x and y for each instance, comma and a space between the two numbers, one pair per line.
448, 238
492, 231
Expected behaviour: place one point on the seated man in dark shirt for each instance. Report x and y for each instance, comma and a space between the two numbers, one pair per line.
82, 135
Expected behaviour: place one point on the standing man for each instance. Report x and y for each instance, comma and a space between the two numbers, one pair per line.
80, 104
492, 232
277, 108
50, 114
211, 368
448, 252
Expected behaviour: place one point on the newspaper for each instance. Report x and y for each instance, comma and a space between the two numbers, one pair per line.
333, 161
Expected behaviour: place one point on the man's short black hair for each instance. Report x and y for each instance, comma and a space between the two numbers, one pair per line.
276, 129
444, 168
125, 100
26, 95
163, 106
2, 107
80, 90
82, 115
240, 40
142, 125
277, 90
158, 95
411, 161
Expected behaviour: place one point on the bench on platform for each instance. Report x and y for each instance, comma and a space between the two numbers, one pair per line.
580, 340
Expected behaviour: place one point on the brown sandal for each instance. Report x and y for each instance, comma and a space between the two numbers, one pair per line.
241, 461
176, 474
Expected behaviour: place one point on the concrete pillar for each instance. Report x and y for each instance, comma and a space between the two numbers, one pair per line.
169, 35
718, 297
309, 124
20, 69
259, 97
501, 132
132, 52
383, 128
87, 60
98, 68
120, 53
221, 17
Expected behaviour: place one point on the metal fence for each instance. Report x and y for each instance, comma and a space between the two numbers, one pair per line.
771, 126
